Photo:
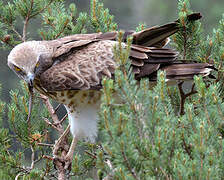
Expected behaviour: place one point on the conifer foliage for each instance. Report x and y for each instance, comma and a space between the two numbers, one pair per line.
158, 132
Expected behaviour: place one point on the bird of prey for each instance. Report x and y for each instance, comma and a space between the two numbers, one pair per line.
70, 69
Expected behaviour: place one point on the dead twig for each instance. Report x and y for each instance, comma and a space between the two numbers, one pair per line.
183, 96
56, 122
51, 124
32, 157
45, 144
57, 107
187, 147
61, 146
63, 119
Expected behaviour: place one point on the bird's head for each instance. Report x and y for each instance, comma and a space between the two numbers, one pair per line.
24, 59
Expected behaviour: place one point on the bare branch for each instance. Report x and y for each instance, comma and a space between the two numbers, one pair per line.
45, 144
183, 96
56, 122
26, 21
62, 120
51, 124
58, 106
32, 157
61, 146
25, 29
18, 175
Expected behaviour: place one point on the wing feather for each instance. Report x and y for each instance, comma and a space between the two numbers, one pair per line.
84, 67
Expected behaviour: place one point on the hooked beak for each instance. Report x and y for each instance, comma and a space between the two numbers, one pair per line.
29, 80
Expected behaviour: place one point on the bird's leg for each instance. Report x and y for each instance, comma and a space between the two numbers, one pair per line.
66, 159
59, 152
69, 155
60, 139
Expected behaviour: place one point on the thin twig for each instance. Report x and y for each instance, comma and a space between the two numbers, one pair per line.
61, 141
27, 21
45, 144
10, 25
32, 157
18, 175
183, 96
47, 121
92, 155
63, 29
62, 120
48, 157
41, 10
57, 107
128, 165
187, 148
16, 32
182, 99
53, 114
37, 160
51, 124
192, 91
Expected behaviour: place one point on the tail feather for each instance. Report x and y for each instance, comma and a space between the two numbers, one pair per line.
157, 36
148, 55
147, 61
151, 36
184, 71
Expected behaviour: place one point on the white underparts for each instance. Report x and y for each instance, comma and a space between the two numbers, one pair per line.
83, 122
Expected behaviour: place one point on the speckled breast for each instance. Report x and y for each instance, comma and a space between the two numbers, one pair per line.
78, 98
73, 98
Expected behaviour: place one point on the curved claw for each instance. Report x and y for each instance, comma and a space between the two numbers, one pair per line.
66, 161
62, 163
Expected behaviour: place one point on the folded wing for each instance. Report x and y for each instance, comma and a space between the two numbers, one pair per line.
80, 61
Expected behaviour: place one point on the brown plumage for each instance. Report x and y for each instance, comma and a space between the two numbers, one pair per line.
70, 69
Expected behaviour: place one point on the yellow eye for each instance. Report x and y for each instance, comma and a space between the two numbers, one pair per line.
17, 69
37, 65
